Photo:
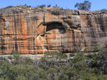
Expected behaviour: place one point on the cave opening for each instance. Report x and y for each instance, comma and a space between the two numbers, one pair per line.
56, 25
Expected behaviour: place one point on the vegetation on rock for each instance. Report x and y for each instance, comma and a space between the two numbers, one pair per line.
56, 66
83, 6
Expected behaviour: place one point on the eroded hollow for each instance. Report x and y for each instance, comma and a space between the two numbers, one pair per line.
56, 25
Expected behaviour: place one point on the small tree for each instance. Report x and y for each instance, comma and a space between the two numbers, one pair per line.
42, 6
103, 11
86, 5
49, 6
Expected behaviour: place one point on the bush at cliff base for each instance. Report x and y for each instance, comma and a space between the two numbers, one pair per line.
56, 66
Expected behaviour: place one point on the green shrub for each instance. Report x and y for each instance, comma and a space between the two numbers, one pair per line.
100, 60
50, 67
103, 11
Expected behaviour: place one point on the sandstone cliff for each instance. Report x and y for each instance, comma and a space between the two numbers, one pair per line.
31, 30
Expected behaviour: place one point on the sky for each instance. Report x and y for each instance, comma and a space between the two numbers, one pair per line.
66, 4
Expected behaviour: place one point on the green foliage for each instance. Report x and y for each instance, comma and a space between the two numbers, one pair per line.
83, 6
99, 61
103, 11
14, 52
79, 62
58, 11
49, 6
21, 60
57, 55
96, 47
16, 56
0, 49
57, 66
51, 70
21, 72
42, 6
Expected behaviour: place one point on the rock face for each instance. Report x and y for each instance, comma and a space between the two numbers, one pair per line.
31, 30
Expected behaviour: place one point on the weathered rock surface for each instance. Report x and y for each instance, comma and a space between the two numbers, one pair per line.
31, 30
